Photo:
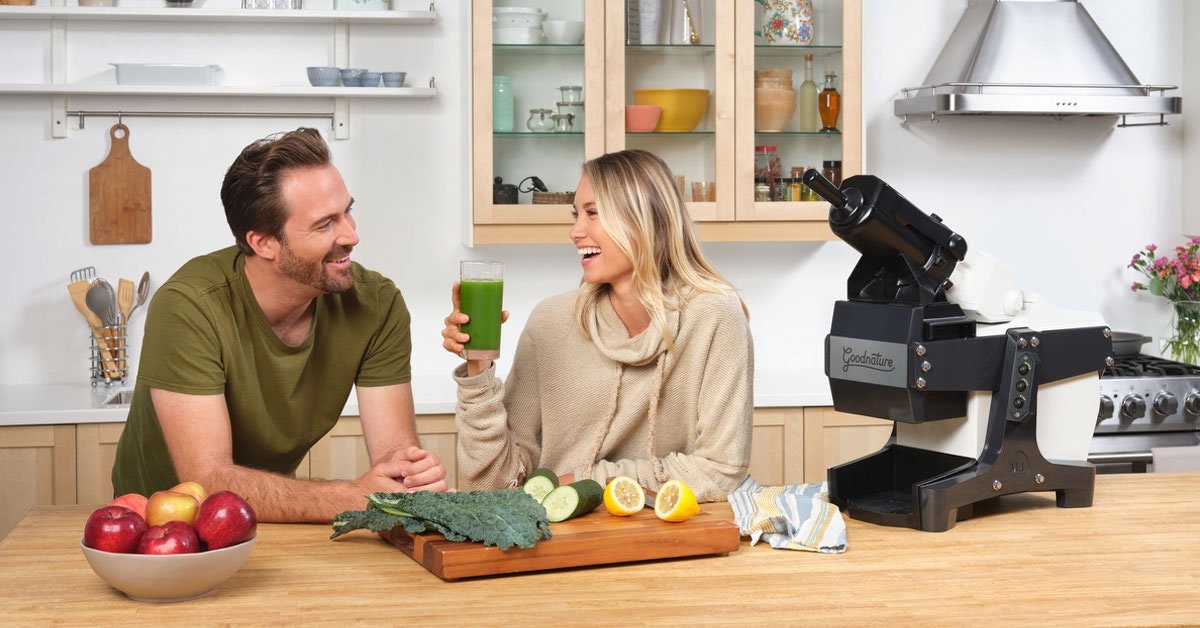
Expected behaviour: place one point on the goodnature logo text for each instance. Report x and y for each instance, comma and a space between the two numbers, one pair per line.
875, 361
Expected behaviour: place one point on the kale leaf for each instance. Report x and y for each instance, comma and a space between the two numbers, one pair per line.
504, 518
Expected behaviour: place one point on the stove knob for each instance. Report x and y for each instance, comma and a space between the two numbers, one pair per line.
1106, 408
1133, 407
1165, 404
1191, 403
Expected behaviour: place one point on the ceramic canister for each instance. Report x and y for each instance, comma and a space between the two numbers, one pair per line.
787, 22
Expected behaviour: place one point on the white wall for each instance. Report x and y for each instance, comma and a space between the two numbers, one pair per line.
1065, 203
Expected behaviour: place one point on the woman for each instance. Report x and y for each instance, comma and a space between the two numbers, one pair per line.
645, 371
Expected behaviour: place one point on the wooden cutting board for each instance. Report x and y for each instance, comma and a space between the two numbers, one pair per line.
119, 191
597, 538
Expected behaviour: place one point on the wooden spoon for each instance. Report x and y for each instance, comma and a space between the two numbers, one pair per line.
79, 290
125, 298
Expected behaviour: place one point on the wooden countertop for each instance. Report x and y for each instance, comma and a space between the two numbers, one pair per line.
1131, 558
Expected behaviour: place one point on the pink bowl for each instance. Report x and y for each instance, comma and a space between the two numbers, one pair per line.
641, 118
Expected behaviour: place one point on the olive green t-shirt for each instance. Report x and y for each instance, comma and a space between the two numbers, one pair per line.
205, 334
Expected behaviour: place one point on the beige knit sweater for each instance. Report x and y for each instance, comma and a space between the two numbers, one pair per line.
616, 405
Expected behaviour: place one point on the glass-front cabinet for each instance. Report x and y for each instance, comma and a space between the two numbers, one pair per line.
717, 88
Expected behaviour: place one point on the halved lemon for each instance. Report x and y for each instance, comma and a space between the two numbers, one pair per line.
675, 502
623, 496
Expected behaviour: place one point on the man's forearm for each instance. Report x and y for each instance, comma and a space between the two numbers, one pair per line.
281, 499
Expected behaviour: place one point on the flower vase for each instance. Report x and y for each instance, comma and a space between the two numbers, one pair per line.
787, 22
1184, 343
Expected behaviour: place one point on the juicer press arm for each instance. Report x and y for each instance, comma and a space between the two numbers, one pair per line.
907, 255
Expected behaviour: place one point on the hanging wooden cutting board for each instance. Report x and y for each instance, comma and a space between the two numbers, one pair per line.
119, 191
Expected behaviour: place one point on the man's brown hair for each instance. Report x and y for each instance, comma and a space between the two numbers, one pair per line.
251, 190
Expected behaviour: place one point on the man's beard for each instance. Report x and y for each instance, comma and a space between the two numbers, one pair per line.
315, 274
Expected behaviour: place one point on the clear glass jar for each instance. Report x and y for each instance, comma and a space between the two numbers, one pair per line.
762, 191
779, 189
767, 167
571, 93
563, 122
502, 104
540, 121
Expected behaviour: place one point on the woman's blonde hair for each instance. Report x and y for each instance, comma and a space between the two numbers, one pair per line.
641, 209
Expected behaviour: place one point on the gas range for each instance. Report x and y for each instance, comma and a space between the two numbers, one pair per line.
1145, 402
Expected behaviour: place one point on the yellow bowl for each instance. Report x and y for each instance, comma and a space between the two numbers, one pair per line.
169, 578
682, 109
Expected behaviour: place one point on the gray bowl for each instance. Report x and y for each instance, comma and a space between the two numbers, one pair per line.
369, 79
352, 76
323, 76
394, 79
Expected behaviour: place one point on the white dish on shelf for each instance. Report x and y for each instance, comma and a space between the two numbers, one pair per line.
517, 17
531, 35
166, 74
563, 31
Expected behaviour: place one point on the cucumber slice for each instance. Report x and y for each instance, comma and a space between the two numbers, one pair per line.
573, 500
539, 483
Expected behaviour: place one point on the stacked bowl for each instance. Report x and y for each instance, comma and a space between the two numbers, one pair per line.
517, 25
774, 99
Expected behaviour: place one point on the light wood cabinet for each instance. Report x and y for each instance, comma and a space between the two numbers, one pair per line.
37, 467
342, 453
96, 445
68, 464
832, 437
720, 149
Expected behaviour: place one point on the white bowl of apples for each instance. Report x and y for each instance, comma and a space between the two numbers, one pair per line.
177, 545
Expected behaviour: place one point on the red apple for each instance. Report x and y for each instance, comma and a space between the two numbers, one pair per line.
164, 506
173, 537
133, 501
225, 519
114, 529
191, 488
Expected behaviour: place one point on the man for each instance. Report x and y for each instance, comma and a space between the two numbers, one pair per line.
250, 352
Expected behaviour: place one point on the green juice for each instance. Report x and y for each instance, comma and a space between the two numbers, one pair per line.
482, 301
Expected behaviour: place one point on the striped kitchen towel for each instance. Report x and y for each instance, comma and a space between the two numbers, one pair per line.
793, 516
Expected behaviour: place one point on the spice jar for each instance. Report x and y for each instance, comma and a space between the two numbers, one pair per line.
796, 187
767, 167
832, 170
779, 191
762, 191
540, 121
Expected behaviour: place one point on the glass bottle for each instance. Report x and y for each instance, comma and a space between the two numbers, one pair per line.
502, 104
809, 119
779, 191
829, 102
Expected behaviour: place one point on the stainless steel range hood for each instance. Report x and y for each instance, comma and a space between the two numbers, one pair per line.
1033, 57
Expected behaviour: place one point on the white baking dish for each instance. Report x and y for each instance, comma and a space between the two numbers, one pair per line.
166, 74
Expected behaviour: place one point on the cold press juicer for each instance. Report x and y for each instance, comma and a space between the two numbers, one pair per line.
993, 391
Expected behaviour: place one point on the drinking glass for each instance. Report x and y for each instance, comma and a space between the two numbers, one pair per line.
481, 297
705, 191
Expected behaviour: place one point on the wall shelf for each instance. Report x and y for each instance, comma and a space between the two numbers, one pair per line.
119, 14
59, 88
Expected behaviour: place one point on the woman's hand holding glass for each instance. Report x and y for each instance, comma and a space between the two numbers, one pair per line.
454, 339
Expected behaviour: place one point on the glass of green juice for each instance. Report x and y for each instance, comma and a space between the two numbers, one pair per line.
481, 297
